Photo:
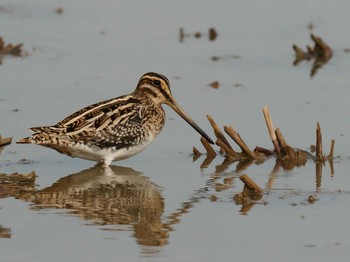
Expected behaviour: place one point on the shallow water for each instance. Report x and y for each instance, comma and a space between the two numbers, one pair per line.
160, 205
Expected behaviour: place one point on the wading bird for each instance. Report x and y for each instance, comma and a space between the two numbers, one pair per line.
114, 129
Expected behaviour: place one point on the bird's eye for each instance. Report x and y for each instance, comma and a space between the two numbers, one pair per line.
156, 83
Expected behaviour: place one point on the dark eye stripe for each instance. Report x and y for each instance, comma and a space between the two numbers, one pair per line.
156, 83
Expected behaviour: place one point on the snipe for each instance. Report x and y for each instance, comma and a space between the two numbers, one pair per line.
114, 129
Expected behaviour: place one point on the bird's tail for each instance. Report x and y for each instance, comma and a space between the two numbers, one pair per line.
26, 140
41, 136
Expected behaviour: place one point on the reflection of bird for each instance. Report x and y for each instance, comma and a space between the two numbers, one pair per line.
114, 129
110, 196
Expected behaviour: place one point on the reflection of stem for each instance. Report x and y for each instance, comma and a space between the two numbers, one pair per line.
224, 165
246, 207
243, 165
318, 174
273, 174
331, 166
207, 161
174, 217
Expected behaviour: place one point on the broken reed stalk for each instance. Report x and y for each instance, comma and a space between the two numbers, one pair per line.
319, 153
331, 151
248, 182
264, 151
270, 128
5, 141
207, 146
321, 49
217, 132
229, 151
281, 141
236, 137
196, 152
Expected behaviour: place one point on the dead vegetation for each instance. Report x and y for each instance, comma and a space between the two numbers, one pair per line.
216, 58
286, 155
15, 184
320, 53
5, 232
214, 84
10, 49
211, 34
287, 158
4, 142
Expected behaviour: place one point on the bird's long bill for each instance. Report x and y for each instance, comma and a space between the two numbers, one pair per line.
189, 120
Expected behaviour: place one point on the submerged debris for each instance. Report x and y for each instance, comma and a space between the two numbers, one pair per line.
216, 58
320, 53
312, 199
212, 34
59, 10
249, 196
9, 49
214, 84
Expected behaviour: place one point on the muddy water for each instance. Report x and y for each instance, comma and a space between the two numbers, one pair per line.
160, 205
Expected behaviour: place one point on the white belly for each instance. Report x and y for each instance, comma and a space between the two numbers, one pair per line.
107, 155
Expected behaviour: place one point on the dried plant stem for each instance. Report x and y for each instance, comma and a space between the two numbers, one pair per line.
229, 151
248, 182
264, 151
271, 129
210, 151
321, 49
281, 141
319, 153
218, 132
5, 141
196, 152
331, 151
239, 141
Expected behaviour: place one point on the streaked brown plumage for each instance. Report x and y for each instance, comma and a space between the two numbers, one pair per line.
114, 129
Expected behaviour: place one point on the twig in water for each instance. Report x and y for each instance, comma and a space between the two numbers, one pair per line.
248, 182
239, 141
210, 151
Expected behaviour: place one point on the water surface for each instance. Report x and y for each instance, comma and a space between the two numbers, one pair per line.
160, 205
